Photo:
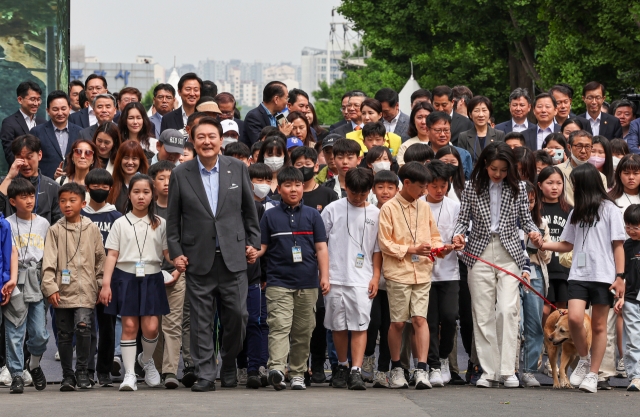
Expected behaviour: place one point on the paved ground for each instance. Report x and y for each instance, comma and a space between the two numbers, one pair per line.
322, 401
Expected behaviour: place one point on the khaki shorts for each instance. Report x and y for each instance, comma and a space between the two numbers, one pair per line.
407, 300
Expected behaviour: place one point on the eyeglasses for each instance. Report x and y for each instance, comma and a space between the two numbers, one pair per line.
441, 131
630, 228
592, 98
86, 152
583, 147
129, 100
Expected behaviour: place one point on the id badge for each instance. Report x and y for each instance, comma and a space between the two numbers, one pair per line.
297, 253
415, 258
581, 259
140, 269
66, 276
359, 260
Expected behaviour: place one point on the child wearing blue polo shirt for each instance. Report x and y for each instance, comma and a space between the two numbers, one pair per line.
295, 242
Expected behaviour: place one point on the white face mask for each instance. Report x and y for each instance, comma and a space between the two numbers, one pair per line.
381, 166
274, 162
616, 161
577, 161
261, 190
226, 140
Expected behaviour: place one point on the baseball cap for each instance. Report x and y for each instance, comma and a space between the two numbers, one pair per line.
209, 106
294, 142
330, 139
173, 141
228, 125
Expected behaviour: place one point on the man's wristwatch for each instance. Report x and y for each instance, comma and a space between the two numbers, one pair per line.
620, 275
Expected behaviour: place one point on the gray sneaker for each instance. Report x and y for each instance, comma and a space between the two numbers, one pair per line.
529, 380
397, 379
368, 365
422, 379
242, 376
380, 380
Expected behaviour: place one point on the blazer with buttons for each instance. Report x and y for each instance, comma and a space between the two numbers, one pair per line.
468, 141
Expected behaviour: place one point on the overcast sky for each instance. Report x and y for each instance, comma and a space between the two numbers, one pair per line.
269, 31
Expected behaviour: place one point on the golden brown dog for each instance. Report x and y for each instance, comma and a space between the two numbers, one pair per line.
556, 333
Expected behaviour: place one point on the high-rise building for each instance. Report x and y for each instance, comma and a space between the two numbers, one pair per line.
319, 65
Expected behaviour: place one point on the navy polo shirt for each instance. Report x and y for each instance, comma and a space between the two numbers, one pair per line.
283, 228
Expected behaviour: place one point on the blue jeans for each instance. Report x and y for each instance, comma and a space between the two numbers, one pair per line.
532, 322
631, 317
35, 326
255, 352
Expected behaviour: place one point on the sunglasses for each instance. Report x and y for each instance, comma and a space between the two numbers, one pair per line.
87, 152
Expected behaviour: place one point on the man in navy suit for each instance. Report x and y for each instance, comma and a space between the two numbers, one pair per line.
227, 105
563, 93
274, 101
544, 109
443, 101
164, 98
343, 109
94, 85
519, 107
394, 120
57, 135
189, 88
603, 124
29, 97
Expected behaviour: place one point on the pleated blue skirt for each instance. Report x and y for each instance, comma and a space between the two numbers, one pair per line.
136, 297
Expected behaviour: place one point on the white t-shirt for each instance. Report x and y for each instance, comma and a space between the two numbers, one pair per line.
595, 242
348, 239
445, 214
626, 200
129, 244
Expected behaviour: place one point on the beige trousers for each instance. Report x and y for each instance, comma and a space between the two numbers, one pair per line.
167, 353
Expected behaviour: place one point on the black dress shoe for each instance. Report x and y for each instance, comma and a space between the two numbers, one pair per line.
202, 385
456, 379
229, 378
189, 376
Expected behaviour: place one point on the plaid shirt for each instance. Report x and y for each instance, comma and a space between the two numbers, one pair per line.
513, 216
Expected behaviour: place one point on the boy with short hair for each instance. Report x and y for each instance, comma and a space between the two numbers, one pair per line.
261, 176
515, 140
99, 182
354, 274
346, 153
373, 135
294, 239
255, 151
330, 170
443, 297
26, 311
631, 307
419, 152
169, 147
407, 234
239, 151
71, 279
188, 153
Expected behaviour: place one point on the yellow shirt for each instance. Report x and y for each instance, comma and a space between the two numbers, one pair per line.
399, 223
391, 141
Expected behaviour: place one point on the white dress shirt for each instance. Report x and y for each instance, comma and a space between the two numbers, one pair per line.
543, 133
595, 124
92, 117
31, 122
391, 126
515, 127
184, 117
495, 199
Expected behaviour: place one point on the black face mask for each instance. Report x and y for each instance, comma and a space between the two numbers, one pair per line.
307, 173
99, 196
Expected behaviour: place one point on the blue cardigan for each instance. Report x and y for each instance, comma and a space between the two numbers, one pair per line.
5, 250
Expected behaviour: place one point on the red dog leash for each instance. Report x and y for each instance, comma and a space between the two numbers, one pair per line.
526, 284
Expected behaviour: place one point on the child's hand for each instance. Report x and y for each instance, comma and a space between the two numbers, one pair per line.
252, 254
105, 295
174, 278
446, 249
54, 299
617, 307
373, 288
526, 277
5, 296
181, 262
535, 238
618, 287
424, 249
325, 286
458, 242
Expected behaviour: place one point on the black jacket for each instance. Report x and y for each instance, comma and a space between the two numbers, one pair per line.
172, 120
47, 205
12, 127
254, 122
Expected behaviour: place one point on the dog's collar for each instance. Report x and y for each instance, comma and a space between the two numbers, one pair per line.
562, 313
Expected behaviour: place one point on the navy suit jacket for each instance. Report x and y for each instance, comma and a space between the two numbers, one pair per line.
610, 126
80, 118
531, 135
12, 127
51, 154
254, 122
172, 120
402, 127
506, 127
337, 125
459, 124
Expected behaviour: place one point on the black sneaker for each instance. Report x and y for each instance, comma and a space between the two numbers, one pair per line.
334, 371
339, 380
253, 380
469, 372
456, 379
17, 385
410, 377
355, 381
276, 379
83, 381
105, 380
39, 380
317, 373
604, 385
139, 370
189, 376
68, 383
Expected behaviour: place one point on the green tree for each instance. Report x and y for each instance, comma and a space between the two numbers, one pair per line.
147, 99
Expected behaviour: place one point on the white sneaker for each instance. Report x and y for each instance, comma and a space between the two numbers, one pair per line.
620, 369
57, 356
397, 379
151, 376
297, 383
511, 381
380, 380
529, 380
242, 376
5, 376
435, 378
129, 383
26, 377
422, 379
581, 371
368, 365
634, 385
484, 383
589, 383
444, 370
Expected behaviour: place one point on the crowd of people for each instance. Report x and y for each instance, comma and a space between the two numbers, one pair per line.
275, 242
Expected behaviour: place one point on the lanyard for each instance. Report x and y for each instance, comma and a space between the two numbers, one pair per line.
584, 239
295, 241
364, 225
144, 242
407, 222
17, 238
67, 241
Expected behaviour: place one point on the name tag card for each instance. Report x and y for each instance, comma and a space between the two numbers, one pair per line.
296, 251
66, 276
